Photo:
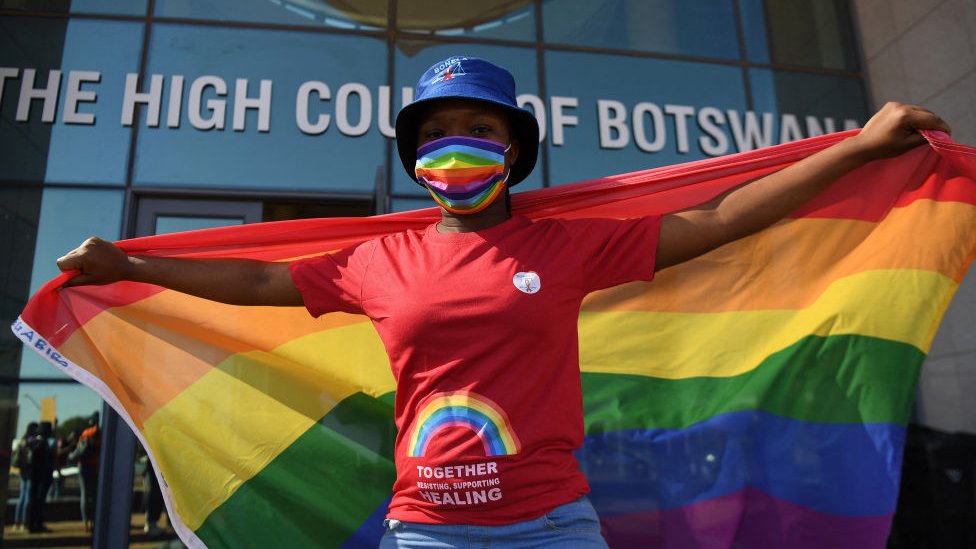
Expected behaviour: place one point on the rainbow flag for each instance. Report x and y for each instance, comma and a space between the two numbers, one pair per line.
757, 396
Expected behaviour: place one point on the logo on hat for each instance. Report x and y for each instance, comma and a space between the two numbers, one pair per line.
528, 283
448, 70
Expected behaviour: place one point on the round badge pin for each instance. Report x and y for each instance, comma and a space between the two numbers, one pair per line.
528, 283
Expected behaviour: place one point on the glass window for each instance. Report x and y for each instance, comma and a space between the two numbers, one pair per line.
92, 146
19, 211
166, 224
115, 7
368, 15
121, 7
25, 136
415, 57
49, 5
171, 215
812, 33
408, 204
66, 409
494, 19
281, 210
808, 104
66, 218
705, 28
62, 91
668, 112
65, 400
247, 108
755, 34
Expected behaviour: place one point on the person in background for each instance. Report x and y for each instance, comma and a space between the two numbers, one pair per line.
21, 459
154, 502
86, 455
63, 447
42, 471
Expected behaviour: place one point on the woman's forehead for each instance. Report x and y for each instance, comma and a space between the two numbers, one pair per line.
449, 108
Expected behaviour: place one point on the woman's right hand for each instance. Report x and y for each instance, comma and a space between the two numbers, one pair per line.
99, 262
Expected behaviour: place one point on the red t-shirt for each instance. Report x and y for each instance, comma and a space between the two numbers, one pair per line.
481, 330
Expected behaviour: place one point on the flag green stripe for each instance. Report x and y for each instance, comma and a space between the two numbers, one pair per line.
835, 379
341, 469
320, 488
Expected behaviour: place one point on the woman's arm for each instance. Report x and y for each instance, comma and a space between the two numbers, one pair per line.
234, 281
760, 203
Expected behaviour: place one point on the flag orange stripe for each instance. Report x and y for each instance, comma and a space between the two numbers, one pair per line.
170, 340
801, 253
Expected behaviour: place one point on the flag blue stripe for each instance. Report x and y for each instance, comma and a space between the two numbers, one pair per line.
810, 464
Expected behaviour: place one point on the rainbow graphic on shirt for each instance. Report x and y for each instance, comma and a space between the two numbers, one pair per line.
468, 410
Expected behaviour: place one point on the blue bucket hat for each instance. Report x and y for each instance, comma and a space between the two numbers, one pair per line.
460, 77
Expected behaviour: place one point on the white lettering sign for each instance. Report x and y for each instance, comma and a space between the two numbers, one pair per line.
356, 109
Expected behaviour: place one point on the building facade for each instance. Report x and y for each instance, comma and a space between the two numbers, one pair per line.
136, 117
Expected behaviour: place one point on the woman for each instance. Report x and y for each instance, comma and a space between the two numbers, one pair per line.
478, 312
21, 453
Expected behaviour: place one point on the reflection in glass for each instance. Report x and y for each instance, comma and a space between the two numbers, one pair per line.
318, 104
100, 53
49, 5
20, 208
85, 452
812, 33
367, 15
46, 490
817, 103
66, 218
114, 7
166, 224
754, 31
66, 129
667, 113
148, 495
704, 28
493, 19
407, 204
120, 7
27, 43
19, 212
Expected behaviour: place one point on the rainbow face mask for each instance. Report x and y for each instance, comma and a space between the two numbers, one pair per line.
463, 174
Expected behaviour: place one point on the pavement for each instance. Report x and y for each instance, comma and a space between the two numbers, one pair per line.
72, 534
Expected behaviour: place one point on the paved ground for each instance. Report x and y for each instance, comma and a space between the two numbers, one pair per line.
71, 534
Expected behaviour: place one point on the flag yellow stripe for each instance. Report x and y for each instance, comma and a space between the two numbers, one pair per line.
683, 345
218, 411
236, 407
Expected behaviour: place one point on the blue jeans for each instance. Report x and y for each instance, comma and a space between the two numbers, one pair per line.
571, 526
20, 511
88, 482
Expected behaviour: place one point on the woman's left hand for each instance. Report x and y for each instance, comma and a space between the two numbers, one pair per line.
894, 130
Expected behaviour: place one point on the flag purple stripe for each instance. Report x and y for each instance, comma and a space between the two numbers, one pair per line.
747, 518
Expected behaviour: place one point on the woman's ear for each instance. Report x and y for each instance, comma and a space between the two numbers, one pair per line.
512, 153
